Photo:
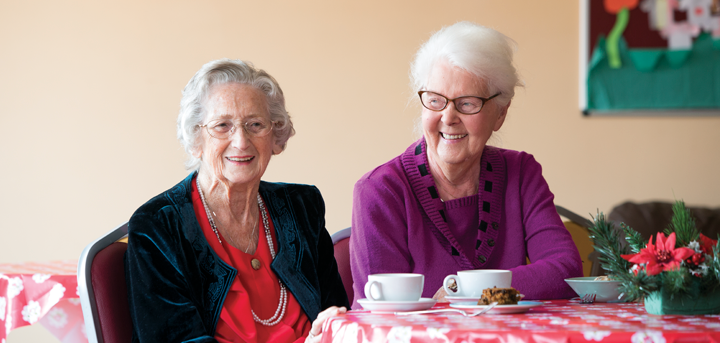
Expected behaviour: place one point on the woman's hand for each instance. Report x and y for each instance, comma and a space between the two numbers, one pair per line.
316, 329
440, 295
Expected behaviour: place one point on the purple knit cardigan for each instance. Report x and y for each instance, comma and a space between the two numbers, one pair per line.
398, 225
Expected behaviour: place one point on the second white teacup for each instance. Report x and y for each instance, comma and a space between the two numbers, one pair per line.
470, 283
394, 287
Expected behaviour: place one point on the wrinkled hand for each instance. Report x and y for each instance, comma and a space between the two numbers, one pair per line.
316, 330
440, 295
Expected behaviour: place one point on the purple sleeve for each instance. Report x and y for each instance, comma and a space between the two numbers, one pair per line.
550, 248
378, 243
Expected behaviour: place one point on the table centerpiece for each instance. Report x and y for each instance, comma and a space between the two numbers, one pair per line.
677, 274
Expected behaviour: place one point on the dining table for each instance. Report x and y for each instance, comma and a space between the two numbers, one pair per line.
44, 293
567, 320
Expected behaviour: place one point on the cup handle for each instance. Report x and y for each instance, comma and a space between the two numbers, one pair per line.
368, 289
446, 283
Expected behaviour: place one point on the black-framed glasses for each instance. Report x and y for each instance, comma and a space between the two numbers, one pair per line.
464, 104
225, 128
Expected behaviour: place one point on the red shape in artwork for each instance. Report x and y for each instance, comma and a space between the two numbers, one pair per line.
614, 6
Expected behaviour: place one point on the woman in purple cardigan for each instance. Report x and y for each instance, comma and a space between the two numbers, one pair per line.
450, 202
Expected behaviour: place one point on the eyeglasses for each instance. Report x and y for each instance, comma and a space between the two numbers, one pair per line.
464, 104
225, 128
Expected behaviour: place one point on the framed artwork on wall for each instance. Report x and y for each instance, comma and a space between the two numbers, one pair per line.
650, 56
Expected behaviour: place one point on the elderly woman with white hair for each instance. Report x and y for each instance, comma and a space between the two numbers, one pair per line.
223, 256
451, 202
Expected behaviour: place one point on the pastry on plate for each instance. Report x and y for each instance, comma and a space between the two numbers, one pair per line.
503, 296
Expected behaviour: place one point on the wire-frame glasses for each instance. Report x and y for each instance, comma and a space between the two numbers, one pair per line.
225, 128
464, 104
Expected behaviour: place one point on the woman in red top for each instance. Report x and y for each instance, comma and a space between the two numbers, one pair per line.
223, 256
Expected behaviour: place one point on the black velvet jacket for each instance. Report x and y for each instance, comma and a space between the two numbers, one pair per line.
177, 284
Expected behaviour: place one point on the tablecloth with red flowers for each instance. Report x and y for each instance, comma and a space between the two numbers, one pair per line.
44, 293
554, 321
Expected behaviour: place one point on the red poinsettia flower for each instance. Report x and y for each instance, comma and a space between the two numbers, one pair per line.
707, 244
662, 256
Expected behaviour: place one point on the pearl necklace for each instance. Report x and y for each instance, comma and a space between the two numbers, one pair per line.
282, 303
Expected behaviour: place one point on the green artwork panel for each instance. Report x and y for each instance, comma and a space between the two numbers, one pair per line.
656, 79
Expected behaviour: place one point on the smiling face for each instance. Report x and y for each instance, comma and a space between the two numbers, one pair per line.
240, 159
455, 139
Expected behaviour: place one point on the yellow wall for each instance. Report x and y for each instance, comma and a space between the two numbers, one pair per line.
90, 92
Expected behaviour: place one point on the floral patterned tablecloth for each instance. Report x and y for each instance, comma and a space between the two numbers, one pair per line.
41, 292
554, 321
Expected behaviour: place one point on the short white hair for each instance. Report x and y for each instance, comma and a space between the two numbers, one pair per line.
194, 96
479, 50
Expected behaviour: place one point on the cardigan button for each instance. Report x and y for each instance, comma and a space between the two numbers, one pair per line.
491, 242
255, 264
495, 225
482, 259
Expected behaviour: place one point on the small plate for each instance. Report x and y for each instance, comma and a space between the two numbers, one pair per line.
397, 306
457, 299
521, 307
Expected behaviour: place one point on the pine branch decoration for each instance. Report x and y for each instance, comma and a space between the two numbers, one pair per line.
696, 272
675, 281
634, 238
605, 239
636, 287
683, 224
714, 263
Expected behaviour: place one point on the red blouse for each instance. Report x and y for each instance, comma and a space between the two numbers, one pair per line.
256, 289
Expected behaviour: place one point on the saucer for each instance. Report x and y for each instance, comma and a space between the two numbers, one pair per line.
521, 307
397, 306
459, 298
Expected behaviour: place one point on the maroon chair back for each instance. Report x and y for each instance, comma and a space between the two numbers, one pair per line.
108, 283
341, 241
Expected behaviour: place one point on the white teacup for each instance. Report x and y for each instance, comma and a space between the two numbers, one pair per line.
394, 287
470, 283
